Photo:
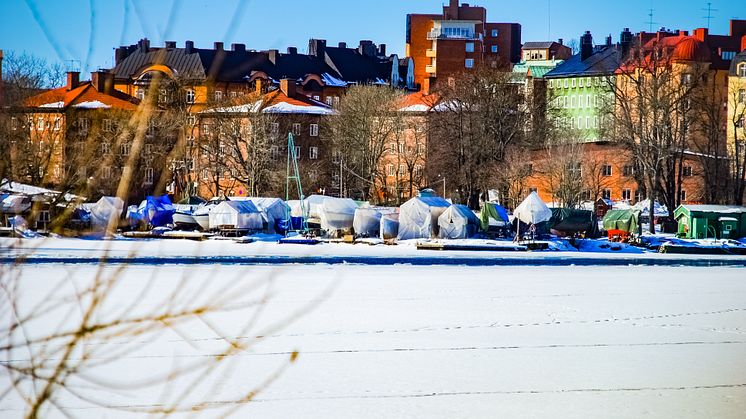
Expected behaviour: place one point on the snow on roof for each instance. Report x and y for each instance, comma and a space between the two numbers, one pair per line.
415, 108
332, 81
94, 104
725, 209
284, 107
29, 190
55, 105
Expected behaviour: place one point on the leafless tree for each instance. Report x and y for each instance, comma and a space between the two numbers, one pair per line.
737, 147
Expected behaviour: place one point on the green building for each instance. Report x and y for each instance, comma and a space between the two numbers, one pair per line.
711, 221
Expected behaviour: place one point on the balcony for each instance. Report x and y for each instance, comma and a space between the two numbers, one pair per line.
436, 34
430, 69
431, 53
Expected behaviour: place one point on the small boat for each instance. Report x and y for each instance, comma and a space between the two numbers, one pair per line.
183, 217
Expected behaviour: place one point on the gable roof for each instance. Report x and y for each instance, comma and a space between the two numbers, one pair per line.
538, 45
85, 96
604, 61
352, 66
277, 102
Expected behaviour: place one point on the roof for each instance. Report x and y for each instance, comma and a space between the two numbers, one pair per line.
723, 209
604, 61
538, 45
351, 65
85, 96
418, 102
278, 102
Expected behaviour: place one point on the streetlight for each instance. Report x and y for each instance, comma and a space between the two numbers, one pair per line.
444, 185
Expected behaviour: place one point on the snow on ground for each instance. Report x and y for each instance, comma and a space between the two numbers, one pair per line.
435, 342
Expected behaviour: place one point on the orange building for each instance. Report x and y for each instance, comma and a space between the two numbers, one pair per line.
459, 39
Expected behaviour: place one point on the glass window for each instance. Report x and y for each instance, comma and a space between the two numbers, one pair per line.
296, 129
580, 83
189, 96
313, 153
469, 47
626, 194
687, 171
469, 63
218, 95
742, 70
742, 96
494, 33
314, 130
606, 193
149, 176
493, 49
606, 170
567, 82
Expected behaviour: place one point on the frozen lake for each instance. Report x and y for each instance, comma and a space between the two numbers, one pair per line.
406, 341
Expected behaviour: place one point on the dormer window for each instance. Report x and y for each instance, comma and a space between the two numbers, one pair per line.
741, 70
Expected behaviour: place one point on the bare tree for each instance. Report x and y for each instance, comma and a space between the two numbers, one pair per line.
365, 123
737, 148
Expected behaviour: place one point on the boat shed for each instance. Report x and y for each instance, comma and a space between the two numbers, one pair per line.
711, 221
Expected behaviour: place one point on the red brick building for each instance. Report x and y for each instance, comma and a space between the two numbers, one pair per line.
443, 45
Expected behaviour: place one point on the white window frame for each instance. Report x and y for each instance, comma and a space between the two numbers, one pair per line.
469, 63
314, 130
125, 149
605, 172
297, 152
493, 49
297, 128
313, 153
149, 175
469, 46
189, 96
218, 95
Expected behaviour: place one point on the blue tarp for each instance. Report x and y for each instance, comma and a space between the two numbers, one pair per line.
157, 210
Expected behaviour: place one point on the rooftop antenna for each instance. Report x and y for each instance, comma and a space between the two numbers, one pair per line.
709, 16
650, 21
72, 65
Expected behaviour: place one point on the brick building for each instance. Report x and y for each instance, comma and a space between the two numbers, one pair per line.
459, 39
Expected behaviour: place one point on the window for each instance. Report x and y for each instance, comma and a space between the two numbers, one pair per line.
682, 196
191, 120
417, 171
469, 63
40, 124
314, 130
106, 172
151, 128
218, 95
296, 129
275, 128
572, 83
742, 70
626, 195
587, 122
421, 149
551, 84
606, 194
105, 148
573, 169
205, 174
533, 189
580, 83
392, 148
402, 169
274, 153
336, 101
390, 170
336, 157
140, 93
580, 122
494, 33
83, 124
585, 195
595, 122
189, 96
163, 96
316, 97
587, 101
125, 149
297, 152
628, 170
149, 176
727, 55
574, 102
606, 170
687, 171
234, 95
329, 100
313, 153
57, 123
493, 49
148, 150
109, 125
469, 47
742, 96
686, 78
567, 82
205, 128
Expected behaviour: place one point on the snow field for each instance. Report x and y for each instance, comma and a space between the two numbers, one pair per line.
404, 341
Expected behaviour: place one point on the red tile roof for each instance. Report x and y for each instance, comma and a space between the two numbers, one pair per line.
62, 98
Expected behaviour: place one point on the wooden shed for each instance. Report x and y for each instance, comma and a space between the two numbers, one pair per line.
711, 221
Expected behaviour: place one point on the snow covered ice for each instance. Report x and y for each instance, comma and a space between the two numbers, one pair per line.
418, 341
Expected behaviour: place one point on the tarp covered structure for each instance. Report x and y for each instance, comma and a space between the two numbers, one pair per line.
367, 221
622, 220
158, 211
532, 210
238, 215
566, 221
491, 210
14, 204
337, 214
105, 210
275, 211
458, 222
389, 226
418, 217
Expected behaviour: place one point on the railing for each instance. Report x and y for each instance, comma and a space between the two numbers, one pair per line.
436, 34
430, 69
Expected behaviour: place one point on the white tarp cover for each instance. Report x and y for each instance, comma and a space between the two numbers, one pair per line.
107, 208
295, 210
644, 207
337, 214
313, 205
458, 222
418, 217
243, 215
367, 220
389, 226
532, 210
273, 209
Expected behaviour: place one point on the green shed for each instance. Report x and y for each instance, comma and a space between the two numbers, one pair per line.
711, 221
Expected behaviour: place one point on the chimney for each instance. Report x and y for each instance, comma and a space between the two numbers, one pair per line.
292, 50
743, 44
367, 48
103, 81
561, 41
170, 44
452, 10
272, 55
259, 86
287, 86
625, 40
382, 50
218, 46
238, 47
608, 41
73, 80
120, 54
144, 45
343, 45
586, 46
701, 34
317, 47
2, 86
189, 47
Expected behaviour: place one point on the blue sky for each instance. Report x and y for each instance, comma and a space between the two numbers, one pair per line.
87, 30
